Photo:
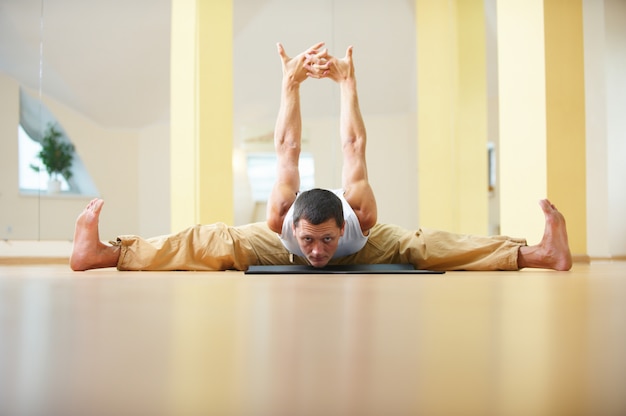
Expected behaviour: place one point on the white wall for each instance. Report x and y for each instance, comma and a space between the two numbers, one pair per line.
26, 216
605, 91
153, 170
111, 157
615, 13
19, 217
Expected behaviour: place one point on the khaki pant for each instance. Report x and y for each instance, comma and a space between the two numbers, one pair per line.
222, 247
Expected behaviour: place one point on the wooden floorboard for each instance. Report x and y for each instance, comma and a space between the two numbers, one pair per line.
104, 342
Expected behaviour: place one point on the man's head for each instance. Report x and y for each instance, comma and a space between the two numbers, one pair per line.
317, 224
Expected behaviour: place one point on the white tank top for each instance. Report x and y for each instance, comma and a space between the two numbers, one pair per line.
352, 240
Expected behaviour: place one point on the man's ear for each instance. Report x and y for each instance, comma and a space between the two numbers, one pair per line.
293, 229
343, 228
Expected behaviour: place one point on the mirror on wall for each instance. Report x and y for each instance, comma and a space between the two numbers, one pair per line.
95, 77
99, 72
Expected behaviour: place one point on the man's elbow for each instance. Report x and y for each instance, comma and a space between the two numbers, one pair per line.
275, 224
367, 222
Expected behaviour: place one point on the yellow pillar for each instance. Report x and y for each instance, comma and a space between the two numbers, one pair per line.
201, 112
565, 111
452, 115
522, 146
471, 134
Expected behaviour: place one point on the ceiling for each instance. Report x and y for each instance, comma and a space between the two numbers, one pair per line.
109, 60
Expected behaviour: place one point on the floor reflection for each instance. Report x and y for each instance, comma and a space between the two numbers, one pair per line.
227, 344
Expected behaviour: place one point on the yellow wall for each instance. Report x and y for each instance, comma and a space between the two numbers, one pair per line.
452, 115
565, 110
201, 113
471, 134
541, 116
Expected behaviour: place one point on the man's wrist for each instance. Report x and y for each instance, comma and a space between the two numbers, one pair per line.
348, 83
291, 83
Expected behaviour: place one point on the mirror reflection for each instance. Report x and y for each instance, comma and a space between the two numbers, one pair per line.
99, 74
96, 75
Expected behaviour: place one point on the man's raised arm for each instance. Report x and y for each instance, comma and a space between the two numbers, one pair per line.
287, 135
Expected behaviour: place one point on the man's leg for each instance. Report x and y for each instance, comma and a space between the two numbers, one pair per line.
88, 252
437, 250
202, 247
442, 250
210, 247
553, 251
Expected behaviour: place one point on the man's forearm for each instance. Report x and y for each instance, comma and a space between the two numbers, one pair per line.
289, 122
352, 125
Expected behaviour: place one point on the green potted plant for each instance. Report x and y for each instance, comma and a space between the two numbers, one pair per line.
56, 156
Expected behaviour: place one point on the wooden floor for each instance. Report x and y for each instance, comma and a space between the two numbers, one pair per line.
105, 342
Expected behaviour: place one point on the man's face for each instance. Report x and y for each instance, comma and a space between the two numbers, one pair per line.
318, 242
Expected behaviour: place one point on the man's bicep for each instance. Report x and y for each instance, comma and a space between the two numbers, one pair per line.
361, 198
278, 205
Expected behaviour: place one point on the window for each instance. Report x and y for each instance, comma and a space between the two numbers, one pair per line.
34, 115
262, 173
30, 179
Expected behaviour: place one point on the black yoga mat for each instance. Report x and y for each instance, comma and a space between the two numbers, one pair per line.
343, 269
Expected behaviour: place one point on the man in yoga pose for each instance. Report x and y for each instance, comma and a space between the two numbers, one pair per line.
312, 233
317, 227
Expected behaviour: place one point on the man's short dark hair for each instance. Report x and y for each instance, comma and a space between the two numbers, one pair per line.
317, 206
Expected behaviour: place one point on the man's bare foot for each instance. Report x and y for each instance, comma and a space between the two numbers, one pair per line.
88, 251
553, 251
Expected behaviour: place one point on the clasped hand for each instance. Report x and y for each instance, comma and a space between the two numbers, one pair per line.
316, 63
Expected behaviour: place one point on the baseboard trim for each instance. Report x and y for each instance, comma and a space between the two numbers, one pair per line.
610, 258
26, 260
581, 258
18, 261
